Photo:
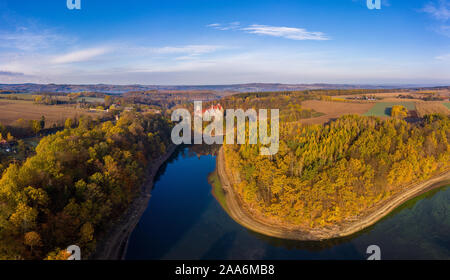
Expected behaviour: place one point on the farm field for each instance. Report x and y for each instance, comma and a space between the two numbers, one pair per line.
394, 96
383, 109
385, 96
12, 110
430, 107
333, 110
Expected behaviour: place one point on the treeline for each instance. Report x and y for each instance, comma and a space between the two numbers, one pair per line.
315, 93
166, 99
13, 149
333, 92
80, 180
75, 95
22, 128
327, 174
50, 100
5, 133
288, 103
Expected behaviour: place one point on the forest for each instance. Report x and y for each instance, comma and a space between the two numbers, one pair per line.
290, 102
324, 175
78, 182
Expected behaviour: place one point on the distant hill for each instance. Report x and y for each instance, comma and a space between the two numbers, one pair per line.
220, 89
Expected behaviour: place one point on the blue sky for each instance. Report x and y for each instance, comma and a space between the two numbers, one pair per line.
225, 41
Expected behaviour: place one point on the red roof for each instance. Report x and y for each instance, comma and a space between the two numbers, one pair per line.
214, 108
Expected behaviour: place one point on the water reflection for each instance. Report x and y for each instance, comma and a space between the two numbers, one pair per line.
184, 221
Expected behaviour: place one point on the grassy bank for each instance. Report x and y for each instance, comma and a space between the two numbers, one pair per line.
217, 190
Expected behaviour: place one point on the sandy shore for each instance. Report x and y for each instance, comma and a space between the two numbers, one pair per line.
243, 216
115, 243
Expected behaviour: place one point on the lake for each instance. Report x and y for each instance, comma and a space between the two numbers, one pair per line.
184, 221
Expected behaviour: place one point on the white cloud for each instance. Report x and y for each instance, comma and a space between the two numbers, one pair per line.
292, 33
285, 32
189, 49
445, 57
9, 73
186, 52
439, 10
28, 41
46, 64
287, 66
79, 56
25, 34
444, 30
230, 26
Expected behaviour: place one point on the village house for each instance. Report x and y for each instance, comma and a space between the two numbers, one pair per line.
5, 146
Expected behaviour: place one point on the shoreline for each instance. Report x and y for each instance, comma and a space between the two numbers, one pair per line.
114, 245
244, 217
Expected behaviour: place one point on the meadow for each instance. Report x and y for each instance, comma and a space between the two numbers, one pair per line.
383, 109
90, 99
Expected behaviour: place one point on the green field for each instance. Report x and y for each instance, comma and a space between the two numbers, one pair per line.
383, 109
91, 99
447, 104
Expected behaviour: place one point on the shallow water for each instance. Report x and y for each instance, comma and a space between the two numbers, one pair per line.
184, 221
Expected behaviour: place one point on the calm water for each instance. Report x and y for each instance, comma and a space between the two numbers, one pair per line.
184, 221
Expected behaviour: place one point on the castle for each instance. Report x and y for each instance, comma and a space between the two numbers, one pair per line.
213, 110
